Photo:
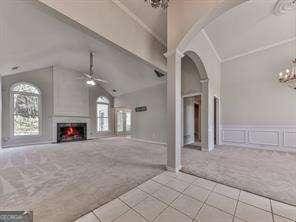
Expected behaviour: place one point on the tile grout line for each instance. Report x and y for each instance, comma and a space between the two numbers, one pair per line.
271, 208
234, 213
131, 208
95, 216
204, 203
180, 193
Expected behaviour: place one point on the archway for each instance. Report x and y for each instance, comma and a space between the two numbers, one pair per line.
195, 96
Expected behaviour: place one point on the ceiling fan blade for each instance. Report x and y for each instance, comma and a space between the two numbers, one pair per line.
100, 80
87, 75
82, 77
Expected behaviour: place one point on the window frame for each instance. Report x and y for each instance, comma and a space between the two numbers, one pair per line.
97, 117
11, 94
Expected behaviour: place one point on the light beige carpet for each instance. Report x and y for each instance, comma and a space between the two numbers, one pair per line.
264, 172
60, 182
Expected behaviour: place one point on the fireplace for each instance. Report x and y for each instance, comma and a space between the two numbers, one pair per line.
67, 132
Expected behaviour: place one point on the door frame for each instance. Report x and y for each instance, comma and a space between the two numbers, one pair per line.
182, 112
217, 116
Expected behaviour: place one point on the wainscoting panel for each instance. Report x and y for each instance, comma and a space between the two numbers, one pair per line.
264, 137
234, 136
290, 139
269, 137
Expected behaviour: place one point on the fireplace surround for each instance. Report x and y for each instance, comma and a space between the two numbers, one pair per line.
68, 132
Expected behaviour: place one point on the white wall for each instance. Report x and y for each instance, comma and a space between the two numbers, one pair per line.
151, 124
190, 77
71, 96
256, 109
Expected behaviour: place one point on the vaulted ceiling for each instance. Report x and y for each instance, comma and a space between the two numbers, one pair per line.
32, 39
154, 19
249, 27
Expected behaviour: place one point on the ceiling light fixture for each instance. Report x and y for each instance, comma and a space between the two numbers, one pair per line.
91, 82
158, 3
288, 77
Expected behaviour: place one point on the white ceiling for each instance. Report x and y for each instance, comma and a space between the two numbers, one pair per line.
154, 19
32, 39
250, 26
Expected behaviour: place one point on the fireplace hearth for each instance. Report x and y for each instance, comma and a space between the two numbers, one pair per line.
68, 132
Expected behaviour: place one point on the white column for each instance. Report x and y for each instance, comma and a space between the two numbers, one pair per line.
174, 103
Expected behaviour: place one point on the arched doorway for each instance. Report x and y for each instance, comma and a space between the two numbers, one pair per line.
195, 102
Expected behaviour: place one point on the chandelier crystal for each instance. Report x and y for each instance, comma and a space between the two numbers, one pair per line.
158, 3
288, 77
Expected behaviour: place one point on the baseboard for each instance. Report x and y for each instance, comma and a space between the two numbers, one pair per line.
27, 144
148, 141
172, 169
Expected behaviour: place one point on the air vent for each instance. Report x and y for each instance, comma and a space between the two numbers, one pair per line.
159, 74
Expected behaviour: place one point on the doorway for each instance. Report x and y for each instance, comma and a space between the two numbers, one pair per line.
192, 120
123, 121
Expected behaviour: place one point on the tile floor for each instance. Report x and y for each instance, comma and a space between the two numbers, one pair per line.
171, 197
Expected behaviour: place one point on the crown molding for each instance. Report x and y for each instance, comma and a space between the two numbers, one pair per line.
259, 49
211, 44
138, 20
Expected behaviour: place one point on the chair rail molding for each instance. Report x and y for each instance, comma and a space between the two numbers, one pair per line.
275, 137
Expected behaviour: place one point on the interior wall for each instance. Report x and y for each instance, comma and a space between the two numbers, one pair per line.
65, 98
151, 124
41, 78
190, 77
201, 46
71, 96
256, 109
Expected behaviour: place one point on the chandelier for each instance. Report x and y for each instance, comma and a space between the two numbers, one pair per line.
289, 76
158, 3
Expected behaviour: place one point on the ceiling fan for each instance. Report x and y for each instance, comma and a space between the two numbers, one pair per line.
90, 78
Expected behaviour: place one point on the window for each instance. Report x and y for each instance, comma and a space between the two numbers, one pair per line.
26, 102
102, 114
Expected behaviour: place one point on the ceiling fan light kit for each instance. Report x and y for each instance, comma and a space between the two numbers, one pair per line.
90, 79
91, 82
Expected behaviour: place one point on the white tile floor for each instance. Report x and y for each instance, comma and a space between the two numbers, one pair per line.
171, 197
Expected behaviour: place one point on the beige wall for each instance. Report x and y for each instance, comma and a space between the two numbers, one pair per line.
106, 19
151, 124
251, 94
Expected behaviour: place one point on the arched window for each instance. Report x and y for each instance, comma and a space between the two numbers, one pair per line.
26, 107
102, 114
